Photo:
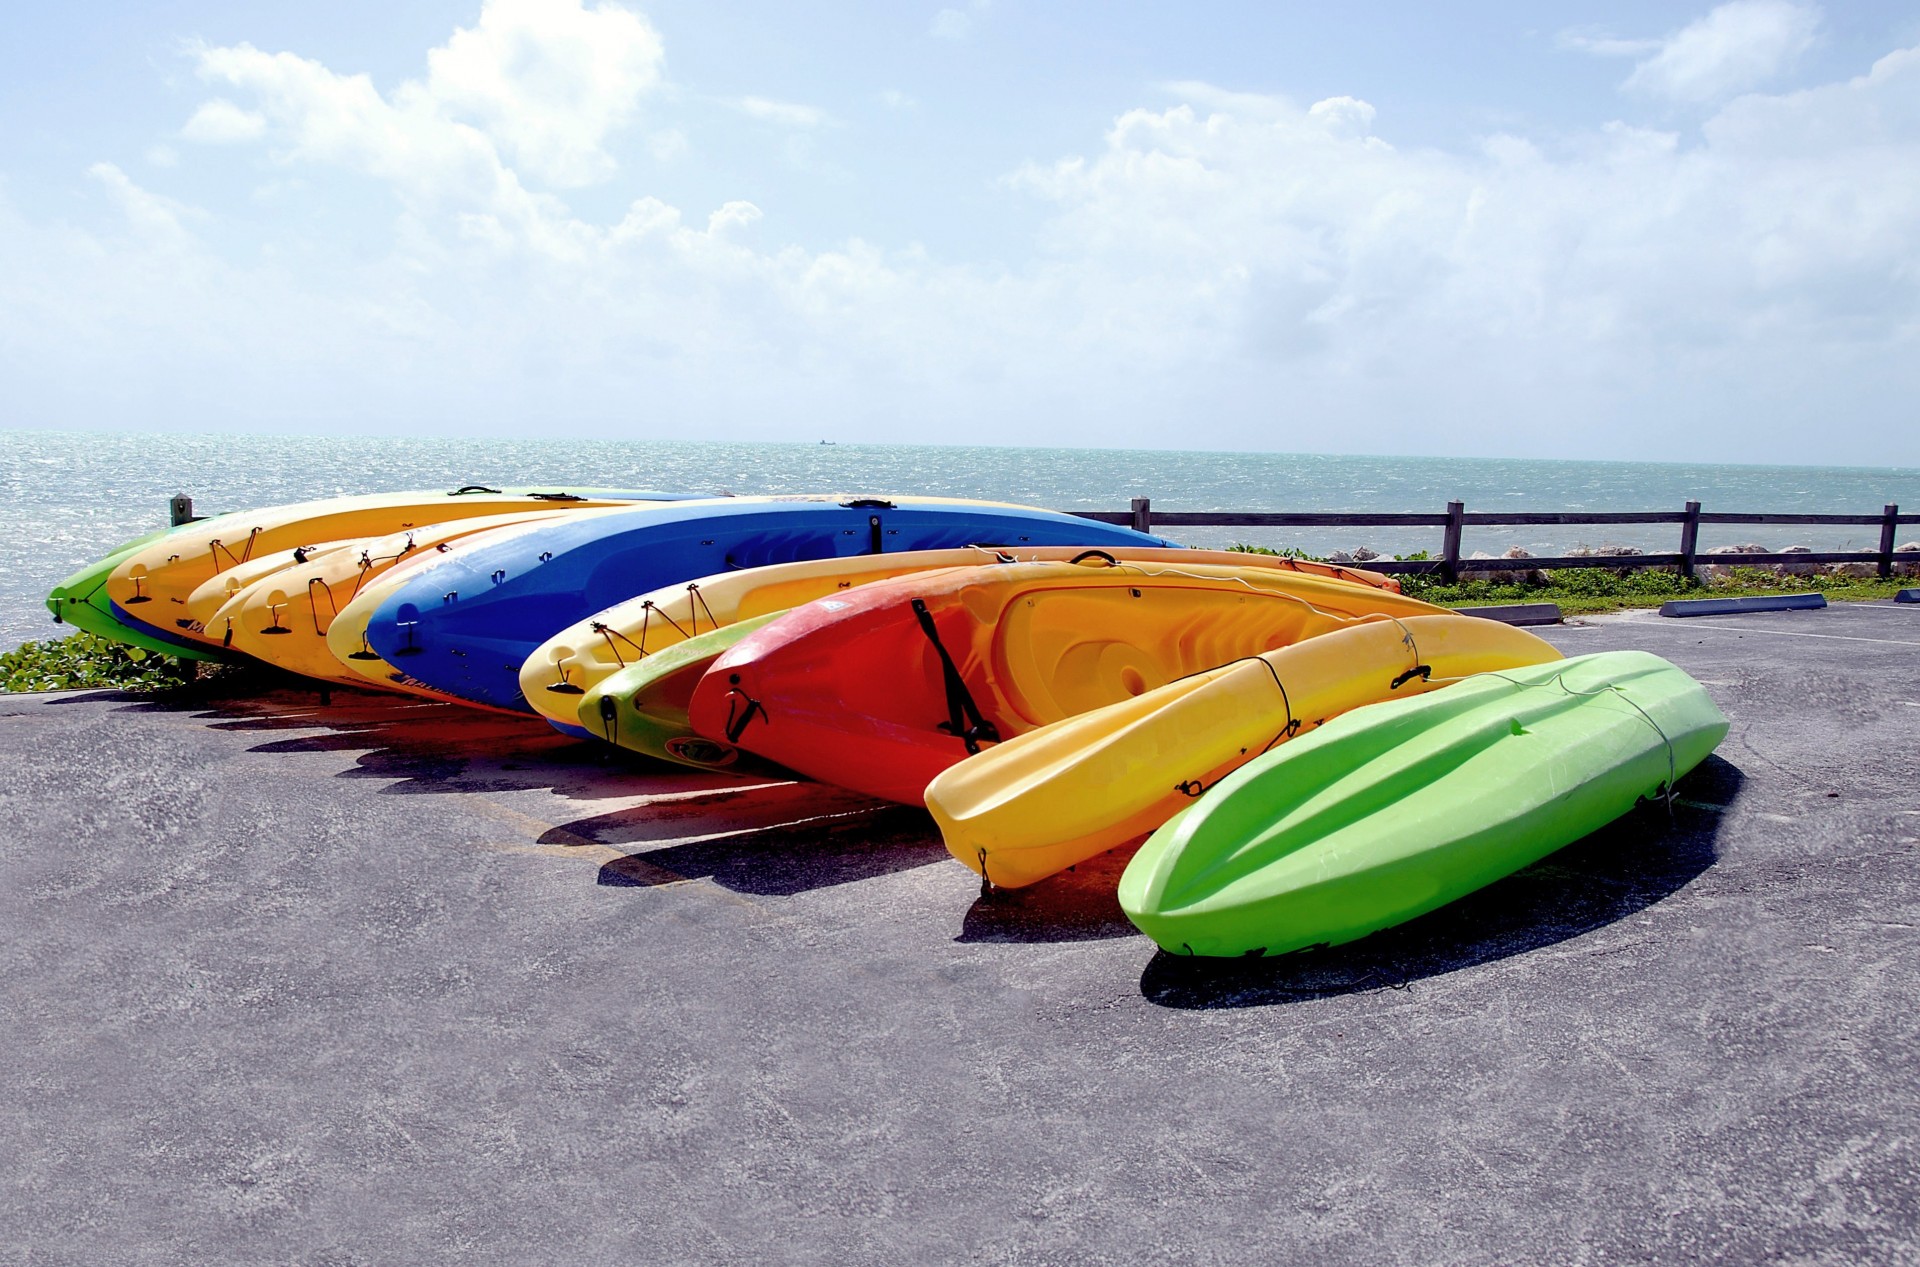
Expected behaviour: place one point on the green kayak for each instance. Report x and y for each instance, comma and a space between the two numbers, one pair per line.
643, 707
1398, 808
81, 601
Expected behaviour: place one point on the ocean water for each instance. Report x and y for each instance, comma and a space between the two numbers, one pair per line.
70, 498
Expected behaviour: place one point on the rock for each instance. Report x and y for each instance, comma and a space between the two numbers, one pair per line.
1720, 572
1475, 574
1364, 555
1853, 569
1341, 557
1618, 552
1532, 576
1517, 576
1912, 566
1797, 569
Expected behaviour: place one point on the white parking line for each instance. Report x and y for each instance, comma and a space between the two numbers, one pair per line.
1795, 633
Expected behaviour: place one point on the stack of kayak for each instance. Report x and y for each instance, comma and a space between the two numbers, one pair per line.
1311, 754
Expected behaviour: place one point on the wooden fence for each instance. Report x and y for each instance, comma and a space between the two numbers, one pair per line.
1450, 565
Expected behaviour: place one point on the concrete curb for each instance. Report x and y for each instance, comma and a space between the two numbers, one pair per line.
1731, 606
1516, 613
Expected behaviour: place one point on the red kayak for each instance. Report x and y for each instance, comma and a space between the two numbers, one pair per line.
881, 688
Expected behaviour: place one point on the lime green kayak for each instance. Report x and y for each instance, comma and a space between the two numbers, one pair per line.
81, 601
643, 707
1398, 808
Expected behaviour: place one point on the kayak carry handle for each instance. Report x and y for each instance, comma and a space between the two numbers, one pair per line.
1084, 555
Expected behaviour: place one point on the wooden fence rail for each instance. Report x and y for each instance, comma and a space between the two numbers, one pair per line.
1450, 564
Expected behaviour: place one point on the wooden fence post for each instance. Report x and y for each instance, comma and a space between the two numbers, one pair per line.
179, 510
1887, 526
1689, 540
1143, 514
1450, 542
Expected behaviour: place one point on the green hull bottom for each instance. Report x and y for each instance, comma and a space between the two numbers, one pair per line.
81, 601
643, 708
1398, 808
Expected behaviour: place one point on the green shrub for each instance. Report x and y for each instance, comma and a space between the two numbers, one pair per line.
86, 660
1291, 552
1586, 591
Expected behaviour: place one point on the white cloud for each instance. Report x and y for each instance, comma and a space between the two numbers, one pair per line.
958, 24
1231, 270
548, 80
535, 88
1248, 105
149, 214
1312, 257
1738, 46
220, 122
1600, 43
1344, 116
784, 114
316, 115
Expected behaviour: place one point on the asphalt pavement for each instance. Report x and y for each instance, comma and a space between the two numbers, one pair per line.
374, 982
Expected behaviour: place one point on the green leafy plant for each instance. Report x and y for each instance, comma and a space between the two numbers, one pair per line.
1589, 591
85, 660
1291, 552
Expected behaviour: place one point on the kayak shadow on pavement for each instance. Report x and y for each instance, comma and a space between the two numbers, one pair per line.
817, 852
1616, 872
1079, 904
420, 746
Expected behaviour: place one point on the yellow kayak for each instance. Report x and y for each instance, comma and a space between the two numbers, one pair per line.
1045, 800
282, 616
558, 677
205, 604
152, 585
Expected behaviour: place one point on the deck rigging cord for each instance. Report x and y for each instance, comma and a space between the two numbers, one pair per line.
737, 722
1665, 791
216, 548
1199, 787
964, 718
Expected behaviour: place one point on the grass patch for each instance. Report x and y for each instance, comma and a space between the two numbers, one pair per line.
1597, 590
1594, 591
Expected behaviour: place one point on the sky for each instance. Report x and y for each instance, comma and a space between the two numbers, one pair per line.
1634, 231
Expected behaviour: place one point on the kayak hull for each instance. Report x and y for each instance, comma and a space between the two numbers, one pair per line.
284, 617
468, 629
154, 583
572, 663
855, 691
1396, 809
643, 708
81, 601
1057, 796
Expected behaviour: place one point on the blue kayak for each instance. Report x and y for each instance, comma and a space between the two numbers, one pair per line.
466, 626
